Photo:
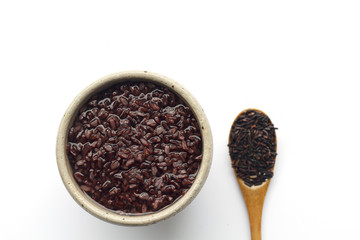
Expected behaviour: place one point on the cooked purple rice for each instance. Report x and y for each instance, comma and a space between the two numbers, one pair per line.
135, 147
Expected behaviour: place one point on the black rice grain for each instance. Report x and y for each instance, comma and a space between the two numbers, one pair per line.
252, 147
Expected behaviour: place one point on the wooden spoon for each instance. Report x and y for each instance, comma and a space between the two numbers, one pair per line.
254, 197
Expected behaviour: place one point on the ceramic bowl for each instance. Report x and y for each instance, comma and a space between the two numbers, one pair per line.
96, 209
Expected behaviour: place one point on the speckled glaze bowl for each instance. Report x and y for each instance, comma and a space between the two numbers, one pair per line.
66, 172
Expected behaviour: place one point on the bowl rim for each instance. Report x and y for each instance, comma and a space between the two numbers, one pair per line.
65, 169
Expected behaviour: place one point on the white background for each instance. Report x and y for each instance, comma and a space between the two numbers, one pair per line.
298, 61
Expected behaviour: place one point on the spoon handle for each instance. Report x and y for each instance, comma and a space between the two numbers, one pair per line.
254, 198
